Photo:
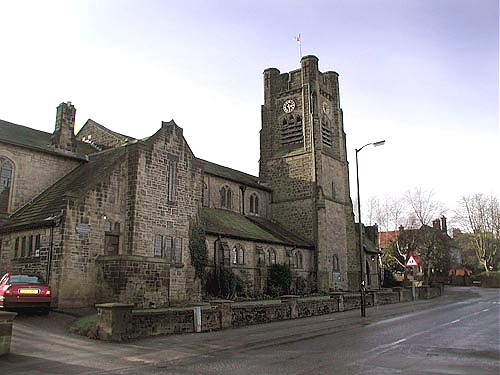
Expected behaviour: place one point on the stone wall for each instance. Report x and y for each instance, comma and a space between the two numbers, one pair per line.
151, 211
257, 314
140, 281
102, 211
33, 172
118, 322
34, 262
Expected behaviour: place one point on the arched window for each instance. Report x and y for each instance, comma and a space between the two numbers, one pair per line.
226, 197
261, 257
5, 184
271, 256
254, 203
234, 256
241, 256
238, 255
298, 260
335, 264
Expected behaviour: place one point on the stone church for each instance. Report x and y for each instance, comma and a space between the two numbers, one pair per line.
105, 217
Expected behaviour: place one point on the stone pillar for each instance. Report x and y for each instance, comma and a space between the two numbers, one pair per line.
400, 292
340, 300
291, 301
112, 321
225, 310
6, 320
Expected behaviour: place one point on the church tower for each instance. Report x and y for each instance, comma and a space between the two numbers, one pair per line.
303, 159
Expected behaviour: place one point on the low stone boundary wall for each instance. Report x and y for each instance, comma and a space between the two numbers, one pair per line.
119, 322
6, 320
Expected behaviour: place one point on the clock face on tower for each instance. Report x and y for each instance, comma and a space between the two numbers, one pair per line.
288, 106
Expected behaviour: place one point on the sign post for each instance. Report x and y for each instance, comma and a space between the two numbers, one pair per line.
411, 262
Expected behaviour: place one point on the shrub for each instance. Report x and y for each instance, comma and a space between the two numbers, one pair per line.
300, 285
489, 280
198, 249
279, 279
224, 283
389, 280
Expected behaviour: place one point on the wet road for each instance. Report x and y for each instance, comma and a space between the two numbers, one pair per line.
458, 333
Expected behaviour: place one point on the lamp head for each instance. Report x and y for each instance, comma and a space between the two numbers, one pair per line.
379, 143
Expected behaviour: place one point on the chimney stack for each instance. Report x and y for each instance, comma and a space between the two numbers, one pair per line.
444, 226
64, 134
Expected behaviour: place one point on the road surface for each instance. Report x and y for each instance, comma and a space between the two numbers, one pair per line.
458, 333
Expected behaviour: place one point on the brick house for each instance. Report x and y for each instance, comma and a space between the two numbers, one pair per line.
104, 216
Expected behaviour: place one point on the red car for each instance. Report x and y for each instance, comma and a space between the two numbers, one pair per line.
24, 291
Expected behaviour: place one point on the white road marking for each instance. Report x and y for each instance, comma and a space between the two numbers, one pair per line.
398, 342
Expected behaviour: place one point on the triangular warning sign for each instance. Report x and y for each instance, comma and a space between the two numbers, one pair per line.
411, 262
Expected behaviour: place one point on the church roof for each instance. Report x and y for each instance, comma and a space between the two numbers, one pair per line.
231, 174
23, 136
253, 228
45, 208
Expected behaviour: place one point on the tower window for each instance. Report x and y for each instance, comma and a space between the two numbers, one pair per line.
291, 131
326, 132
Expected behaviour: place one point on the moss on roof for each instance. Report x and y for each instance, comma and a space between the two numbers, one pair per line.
231, 224
231, 174
39, 140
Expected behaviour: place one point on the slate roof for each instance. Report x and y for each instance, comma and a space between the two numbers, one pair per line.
231, 224
45, 207
38, 140
231, 174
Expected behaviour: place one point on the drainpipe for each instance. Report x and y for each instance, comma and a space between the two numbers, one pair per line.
56, 221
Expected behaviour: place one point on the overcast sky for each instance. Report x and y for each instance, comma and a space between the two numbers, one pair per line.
421, 74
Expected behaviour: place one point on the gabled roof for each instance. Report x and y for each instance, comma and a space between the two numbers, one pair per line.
44, 208
23, 136
231, 174
232, 224
124, 138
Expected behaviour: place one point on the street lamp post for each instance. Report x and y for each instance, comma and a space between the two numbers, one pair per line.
361, 257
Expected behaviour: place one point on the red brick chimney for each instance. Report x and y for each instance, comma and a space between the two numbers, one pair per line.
64, 134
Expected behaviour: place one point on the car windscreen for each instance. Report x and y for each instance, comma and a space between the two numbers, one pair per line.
25, 279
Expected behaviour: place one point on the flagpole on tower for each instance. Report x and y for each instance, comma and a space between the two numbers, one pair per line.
299, 41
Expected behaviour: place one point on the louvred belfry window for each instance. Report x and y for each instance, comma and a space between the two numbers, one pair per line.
326, 132
291, 131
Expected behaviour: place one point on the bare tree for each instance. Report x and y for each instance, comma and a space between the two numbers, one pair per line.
424, 207
390, 213
480, 216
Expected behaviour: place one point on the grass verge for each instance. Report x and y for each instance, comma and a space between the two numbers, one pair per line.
85, 326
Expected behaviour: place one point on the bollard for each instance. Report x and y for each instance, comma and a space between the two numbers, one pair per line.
197, 319
6, 320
